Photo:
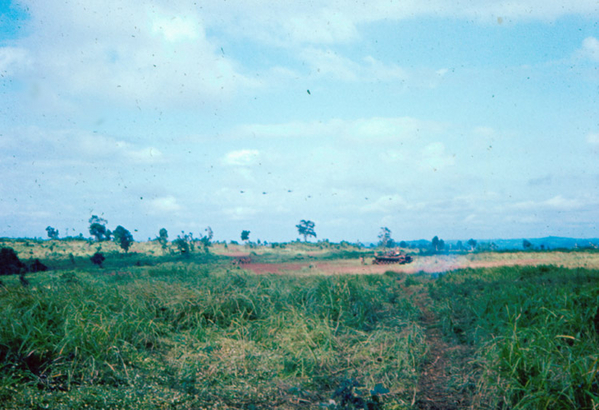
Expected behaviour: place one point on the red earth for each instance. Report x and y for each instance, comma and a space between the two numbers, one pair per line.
356, 267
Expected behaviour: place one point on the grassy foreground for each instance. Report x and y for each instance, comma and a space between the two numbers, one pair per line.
534, 331
190, 336
153, 330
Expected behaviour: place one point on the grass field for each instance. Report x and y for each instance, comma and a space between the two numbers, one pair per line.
153, 329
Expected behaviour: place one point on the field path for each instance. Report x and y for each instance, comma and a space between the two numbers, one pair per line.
435, 390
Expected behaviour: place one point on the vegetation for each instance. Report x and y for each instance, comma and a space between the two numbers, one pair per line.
534, 330
245, 235
154, 329
98, 258
97, 228
385, 239
437, 244
10, 264
306, 228
52, 233
185, 336
163, 238
123, 238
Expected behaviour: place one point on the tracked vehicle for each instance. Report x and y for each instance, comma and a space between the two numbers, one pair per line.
391, 257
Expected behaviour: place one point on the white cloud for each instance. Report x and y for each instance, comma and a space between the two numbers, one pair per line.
164, 204
244, 157
145, 155
13, 59
239, 213
329, 63
289, 24
559, 202
434, 157
375, 129
590, 49
177, 28
556, 203
126, 53
593, 139
76, 146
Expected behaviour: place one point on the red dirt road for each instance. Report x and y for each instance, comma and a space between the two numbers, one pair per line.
429, 264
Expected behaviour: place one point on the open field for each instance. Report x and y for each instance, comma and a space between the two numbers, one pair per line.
299, 327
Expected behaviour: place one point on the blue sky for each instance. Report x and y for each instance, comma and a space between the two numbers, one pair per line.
458, 119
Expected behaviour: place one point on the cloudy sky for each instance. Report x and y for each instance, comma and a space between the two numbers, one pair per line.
431, 117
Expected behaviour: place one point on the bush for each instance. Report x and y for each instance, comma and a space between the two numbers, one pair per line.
37, 266
98, 258
10, 264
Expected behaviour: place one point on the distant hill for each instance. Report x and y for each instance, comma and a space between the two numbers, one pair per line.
549, 242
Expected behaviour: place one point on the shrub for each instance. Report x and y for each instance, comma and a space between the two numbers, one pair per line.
37, 266
10, 264
98, 258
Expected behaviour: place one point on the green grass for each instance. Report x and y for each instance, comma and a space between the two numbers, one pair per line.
186, 335
157, 330
535, 331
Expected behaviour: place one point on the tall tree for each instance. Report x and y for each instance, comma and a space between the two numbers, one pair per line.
472, 244
436, 244
97, 228
245, 235
385, 237
123, 238
52, 233
305, 229
206, 239
163, 238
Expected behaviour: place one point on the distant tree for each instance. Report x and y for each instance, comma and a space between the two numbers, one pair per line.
472, 243
97, 228
403, 244
163, 238
441, 245
245, 235
305, 229
10, 264
97, 258
459, 245
435, 243
385, 237
207, 239
123, 238
52, 233
526, 244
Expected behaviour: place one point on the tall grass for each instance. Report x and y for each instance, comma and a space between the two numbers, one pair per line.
183, 335
535, 330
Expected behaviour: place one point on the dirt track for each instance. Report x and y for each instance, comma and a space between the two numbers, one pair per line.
429, 264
